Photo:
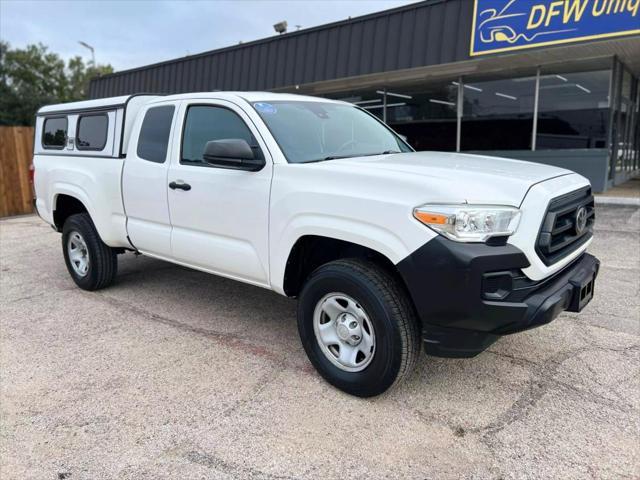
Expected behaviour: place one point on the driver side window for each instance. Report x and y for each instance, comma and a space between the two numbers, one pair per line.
205, 123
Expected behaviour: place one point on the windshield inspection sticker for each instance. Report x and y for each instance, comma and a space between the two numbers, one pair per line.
265, 108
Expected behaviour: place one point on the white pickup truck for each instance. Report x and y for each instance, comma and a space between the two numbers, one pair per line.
387, 250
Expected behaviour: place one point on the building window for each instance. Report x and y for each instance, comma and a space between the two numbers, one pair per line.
573, 110
92, 132
426, 117
635, 128
625, 123
423, 115
370, 100
498, 114
54, 133
154, 134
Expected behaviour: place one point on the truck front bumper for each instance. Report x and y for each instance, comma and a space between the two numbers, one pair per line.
468, 295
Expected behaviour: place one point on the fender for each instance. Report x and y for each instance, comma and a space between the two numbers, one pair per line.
110, 226
375, 237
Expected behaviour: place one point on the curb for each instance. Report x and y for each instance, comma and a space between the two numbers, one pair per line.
618, 201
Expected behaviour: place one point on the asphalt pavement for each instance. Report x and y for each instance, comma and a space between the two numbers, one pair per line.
173, 373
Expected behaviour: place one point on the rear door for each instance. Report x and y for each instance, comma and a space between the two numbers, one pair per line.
221, 222
144, 181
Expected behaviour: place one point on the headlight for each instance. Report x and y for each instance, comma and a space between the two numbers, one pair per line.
469, 223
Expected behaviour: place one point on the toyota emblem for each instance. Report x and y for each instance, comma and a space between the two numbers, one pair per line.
581, 220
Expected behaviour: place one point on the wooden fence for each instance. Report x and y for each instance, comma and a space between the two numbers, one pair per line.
16, 153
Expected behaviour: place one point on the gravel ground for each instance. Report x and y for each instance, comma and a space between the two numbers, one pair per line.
172, 373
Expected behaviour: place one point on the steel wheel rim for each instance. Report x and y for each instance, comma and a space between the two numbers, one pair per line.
78, 254
344, 332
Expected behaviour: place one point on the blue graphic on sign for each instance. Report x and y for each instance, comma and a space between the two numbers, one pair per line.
503, 25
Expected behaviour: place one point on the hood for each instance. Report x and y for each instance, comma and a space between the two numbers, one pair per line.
451, 177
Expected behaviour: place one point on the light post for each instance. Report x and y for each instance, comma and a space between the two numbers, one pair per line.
93, 53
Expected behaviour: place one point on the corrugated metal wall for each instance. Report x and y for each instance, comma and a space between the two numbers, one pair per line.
426, 33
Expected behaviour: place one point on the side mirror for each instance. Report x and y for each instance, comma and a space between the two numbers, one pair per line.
233, 153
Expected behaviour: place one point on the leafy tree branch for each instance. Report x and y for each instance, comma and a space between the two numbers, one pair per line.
34, 76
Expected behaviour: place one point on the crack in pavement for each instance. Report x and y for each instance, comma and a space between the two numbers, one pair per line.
599, 313
230, 340
582, 322
39, 294
541, 381
212, 461
267, 379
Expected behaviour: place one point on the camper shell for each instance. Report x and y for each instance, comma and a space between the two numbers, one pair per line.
109, 121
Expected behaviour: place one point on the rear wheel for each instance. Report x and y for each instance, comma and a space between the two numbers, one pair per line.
358, 326
91, 264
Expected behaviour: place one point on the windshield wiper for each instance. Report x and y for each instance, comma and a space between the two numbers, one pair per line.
332, 157
386, 152
337, 157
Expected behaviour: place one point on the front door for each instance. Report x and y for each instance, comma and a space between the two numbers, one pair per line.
219, 216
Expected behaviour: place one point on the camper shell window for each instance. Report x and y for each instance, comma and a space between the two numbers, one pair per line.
91, 132
54, 133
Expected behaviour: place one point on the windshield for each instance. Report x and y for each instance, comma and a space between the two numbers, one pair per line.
317, 131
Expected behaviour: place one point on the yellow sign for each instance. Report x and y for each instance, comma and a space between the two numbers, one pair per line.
504, 25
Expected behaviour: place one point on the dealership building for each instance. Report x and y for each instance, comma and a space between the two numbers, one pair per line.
554, 82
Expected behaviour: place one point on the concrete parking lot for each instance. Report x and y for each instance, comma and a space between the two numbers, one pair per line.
173, 373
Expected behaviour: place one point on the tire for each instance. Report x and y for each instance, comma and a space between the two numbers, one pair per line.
102, 265
380, 304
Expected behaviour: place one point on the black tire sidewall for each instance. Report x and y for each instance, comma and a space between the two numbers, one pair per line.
381, 373
81, 223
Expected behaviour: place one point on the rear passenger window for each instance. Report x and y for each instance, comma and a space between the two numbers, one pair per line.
154, 134
54, 132
92, 132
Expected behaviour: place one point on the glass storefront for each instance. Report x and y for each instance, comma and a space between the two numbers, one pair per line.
427, 117
624, 148
498, 114
367, 99
573, 110
595, 107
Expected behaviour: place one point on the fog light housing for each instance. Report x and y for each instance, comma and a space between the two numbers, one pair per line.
497, 285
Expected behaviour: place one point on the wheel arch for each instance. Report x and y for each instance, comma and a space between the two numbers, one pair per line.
311, 251
65, 205
68, 199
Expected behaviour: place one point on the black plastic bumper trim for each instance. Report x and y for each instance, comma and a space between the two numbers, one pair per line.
445, 280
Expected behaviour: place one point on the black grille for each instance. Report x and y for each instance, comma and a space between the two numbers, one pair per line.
560, 233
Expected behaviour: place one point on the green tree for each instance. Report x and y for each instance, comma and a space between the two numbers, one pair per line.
33, 76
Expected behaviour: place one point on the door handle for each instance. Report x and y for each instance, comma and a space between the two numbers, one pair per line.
180, 185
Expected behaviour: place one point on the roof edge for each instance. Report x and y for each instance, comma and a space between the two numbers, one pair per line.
105, 103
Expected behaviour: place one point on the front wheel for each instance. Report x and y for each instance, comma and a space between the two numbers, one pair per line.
358, 327
91, 264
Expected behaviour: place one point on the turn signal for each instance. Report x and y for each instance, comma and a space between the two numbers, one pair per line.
430, 218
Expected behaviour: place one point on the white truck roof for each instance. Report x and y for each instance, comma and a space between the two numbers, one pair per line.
128, 106
101, 103
247, 96
124, 100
